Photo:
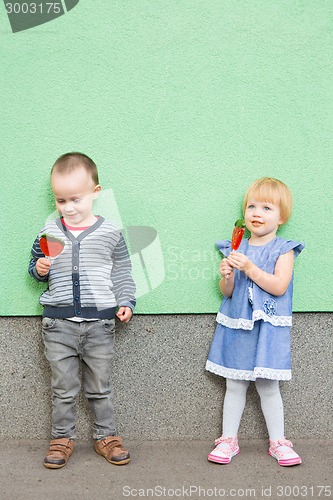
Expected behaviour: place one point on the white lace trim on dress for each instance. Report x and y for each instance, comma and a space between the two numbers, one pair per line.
247, 324
258, 372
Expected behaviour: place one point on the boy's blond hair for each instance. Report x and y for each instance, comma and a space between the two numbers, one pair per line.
70, 161
272, 191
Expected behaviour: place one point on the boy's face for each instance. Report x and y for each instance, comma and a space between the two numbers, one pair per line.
74, 193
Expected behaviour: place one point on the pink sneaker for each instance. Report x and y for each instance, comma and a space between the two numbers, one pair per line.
226, 448
282, 450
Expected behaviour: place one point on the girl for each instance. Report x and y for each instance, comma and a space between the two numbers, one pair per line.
252, 339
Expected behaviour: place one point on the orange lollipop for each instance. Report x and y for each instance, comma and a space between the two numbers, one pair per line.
237, 234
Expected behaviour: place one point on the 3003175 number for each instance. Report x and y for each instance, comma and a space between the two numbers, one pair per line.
33, 8
303, 491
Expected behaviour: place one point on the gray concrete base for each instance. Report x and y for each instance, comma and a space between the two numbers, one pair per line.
161, 388
165, 469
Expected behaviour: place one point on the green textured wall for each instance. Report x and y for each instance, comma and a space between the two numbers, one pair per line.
181, 104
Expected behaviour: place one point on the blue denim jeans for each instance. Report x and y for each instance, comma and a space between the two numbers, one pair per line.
68, 345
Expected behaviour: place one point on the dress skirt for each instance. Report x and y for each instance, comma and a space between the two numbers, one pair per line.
263, 352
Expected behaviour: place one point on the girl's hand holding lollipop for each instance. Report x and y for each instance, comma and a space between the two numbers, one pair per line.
237, 235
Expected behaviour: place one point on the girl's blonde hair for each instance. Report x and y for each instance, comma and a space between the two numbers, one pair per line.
272, 191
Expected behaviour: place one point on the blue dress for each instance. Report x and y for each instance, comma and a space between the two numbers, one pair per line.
252, 338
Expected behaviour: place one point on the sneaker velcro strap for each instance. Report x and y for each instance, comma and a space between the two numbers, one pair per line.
110, 443
56, 445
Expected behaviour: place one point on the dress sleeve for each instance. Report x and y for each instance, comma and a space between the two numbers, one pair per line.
224, 246
288, 245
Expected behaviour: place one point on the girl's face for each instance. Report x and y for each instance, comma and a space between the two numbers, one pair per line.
262, 219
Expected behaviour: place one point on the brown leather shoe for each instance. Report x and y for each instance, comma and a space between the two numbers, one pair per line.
59, 452
112, 449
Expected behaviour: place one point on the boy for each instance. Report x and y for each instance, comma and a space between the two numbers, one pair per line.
86, 283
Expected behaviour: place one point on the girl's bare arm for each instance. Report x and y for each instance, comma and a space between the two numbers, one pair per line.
276, 283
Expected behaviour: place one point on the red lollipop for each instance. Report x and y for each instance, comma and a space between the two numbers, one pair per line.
237, 234
50, 245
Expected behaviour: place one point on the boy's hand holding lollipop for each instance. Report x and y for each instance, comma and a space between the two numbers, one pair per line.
51, 248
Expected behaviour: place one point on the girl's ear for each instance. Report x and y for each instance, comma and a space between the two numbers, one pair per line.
281, 222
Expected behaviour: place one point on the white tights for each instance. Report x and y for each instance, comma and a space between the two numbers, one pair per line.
271, 405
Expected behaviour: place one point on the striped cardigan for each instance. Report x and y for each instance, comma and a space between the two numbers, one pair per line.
92, 275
